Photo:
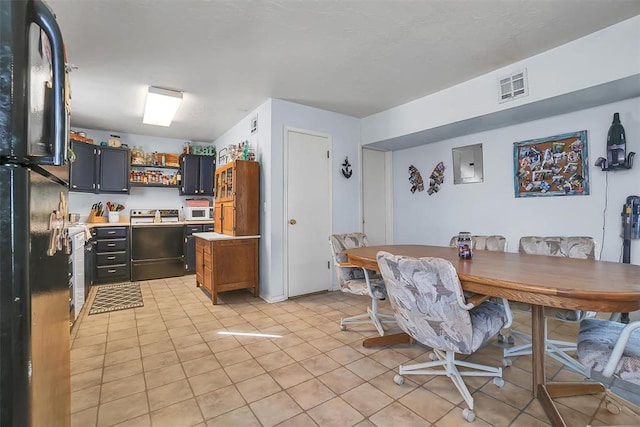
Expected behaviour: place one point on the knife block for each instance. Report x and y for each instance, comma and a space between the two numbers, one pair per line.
93, 218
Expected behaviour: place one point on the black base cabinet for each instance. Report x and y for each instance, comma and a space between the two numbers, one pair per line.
190, 244
111, 254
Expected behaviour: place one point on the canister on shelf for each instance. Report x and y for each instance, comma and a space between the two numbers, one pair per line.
465, 245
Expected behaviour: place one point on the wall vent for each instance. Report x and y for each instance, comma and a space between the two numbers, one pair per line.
513, 86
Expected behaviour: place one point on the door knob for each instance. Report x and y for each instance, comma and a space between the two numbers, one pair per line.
292, 221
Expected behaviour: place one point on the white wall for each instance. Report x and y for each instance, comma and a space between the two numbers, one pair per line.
491, 208
273, 116
604, 56
139, 197
345, 194
261, 141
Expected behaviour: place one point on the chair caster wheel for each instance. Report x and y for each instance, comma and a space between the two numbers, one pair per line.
398, 379
499, 382
501, 338
343, 327
468, 415
507, 362
511, 340
613, 408
433, 357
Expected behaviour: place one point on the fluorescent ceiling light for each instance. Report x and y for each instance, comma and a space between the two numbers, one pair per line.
250, 334
162, 105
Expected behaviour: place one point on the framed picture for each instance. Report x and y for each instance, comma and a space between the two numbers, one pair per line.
553, 166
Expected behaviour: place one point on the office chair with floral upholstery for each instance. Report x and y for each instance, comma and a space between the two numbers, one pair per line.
571, 247
613, 349
427, 300
359, 281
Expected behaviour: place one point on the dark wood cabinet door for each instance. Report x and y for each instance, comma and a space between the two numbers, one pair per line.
190, 165
114, 170
207, 170
82, 171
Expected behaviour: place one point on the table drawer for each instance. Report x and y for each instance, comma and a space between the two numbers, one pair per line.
112, 245
111, 232
111, 271
110, 258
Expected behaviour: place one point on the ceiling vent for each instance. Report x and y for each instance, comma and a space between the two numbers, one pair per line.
513, 86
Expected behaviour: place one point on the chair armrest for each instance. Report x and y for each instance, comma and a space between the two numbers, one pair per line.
347, 265
616, 354
477, 299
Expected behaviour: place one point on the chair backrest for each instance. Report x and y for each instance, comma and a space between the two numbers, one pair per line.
566, 246
424, 294
338, 244
485, 243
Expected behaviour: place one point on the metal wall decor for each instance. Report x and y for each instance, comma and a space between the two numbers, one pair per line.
552, 166
415, 179
346, 168
436, 179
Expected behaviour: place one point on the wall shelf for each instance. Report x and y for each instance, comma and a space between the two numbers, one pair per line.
151, 184
154, 166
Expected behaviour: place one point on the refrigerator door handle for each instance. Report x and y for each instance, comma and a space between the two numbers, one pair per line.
45, 19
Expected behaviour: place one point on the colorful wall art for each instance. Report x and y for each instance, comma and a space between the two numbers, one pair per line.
552, 166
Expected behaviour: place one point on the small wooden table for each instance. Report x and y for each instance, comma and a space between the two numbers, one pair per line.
225, 263
535, 279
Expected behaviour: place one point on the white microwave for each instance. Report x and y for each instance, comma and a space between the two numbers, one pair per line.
195, 213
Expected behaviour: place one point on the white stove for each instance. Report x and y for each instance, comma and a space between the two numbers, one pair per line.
151, 216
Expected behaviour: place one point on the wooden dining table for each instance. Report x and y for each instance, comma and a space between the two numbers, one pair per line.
542, 281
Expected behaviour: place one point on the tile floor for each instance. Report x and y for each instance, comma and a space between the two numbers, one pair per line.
166, 364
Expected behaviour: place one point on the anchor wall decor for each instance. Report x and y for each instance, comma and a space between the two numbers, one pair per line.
346, 170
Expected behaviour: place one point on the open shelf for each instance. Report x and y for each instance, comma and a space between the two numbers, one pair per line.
152, 184
154, 166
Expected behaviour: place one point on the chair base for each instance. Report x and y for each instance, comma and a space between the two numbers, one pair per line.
558, 350
447, 361
371, 317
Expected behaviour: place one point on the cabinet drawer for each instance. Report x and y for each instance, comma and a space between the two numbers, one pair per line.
113, 245
190, 229
112, 271
207, 228
111, 232
203, 245
110, 258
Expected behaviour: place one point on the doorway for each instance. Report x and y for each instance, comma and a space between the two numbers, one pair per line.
376, 196
307, 211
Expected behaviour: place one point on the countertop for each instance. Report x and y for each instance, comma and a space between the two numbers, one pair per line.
128, 223
217, 236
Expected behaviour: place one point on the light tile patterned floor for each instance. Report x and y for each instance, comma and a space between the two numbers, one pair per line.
165, 364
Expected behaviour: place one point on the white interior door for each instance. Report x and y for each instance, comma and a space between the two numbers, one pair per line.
375, 200
308, 211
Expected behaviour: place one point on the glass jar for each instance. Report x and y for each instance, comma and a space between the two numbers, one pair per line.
465, 245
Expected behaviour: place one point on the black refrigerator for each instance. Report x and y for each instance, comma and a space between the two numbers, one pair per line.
34, 260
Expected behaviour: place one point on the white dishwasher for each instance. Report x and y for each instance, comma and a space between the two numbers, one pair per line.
77, 272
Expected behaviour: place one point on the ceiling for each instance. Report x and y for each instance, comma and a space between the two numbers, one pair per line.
355, 57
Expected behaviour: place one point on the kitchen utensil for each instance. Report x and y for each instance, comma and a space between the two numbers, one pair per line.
74, 217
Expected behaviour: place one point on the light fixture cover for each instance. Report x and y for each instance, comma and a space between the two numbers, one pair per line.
162, 105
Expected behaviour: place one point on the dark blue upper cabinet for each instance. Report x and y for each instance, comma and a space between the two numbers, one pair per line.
197, 175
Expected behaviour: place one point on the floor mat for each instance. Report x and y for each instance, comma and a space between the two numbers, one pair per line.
117, 297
